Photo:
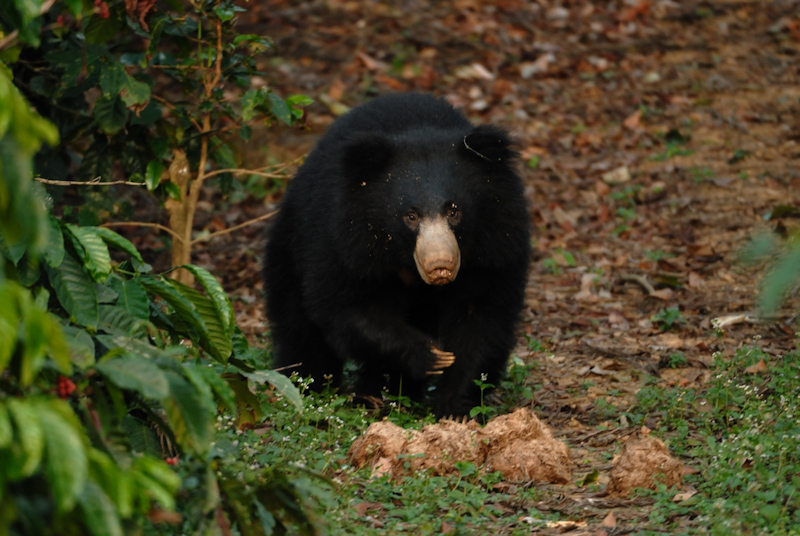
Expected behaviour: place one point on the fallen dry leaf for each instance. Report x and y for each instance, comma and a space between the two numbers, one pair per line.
620, 175
678, 497
610, 520
761, 366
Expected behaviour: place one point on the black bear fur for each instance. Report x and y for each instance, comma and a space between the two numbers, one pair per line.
340, 276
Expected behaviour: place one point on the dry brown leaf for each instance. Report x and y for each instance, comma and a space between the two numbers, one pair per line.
662, 294
474, 71
371, 63
610, 520
667, 340
632, 121
621, 175
695, 280
683, 496
761, 366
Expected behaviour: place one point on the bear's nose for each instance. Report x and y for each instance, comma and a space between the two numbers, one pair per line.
436, 254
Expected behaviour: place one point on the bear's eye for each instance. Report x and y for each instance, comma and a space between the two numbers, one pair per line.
454, 214
412, 219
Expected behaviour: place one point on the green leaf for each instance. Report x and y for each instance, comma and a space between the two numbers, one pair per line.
6, 432
41, 334
172, 190
105, 294
134, 92
112, 238
74, 6
141, 435
99, 513
100, 30
280, 109
70, 60
132, 297
110, 78
155, 489
299, 100
184, 308
253, 38
81, 347
162, 482
96, 257
110, 114
222, 303
215, 338
56, 343
221, 388
248, 407
53, 250
159, 146
22, 218
738, 156
116, 483
265, 518
28, 271
26, 19
9, 321
152, 177
780, 279
224, 14
65, 461
281, 383
149, 115
136, 374
75, 291
13, 252
115, 319
296, 103
249, 102
136, 348
188, 414
223, 155
590, 478
28, 446
34, 343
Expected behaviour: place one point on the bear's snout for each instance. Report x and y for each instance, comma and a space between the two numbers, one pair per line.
436, 253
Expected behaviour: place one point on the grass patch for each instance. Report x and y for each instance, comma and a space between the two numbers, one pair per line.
739, 433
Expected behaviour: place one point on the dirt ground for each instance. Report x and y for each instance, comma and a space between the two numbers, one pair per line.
655, 136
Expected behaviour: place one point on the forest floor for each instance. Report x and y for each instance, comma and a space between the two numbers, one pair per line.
656, 137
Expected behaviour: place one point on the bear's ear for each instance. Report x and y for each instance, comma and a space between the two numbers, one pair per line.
366, 154
489, 143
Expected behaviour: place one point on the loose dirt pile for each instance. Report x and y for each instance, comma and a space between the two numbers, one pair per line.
518, 445
644, 462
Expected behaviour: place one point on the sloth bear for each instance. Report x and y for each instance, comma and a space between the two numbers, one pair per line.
402, 245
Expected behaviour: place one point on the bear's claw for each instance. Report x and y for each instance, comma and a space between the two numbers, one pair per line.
443, 360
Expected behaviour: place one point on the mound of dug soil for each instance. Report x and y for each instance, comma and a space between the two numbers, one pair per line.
643, 462
518, 445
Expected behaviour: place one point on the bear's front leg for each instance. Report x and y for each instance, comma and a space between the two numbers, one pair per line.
481, 332
383, 341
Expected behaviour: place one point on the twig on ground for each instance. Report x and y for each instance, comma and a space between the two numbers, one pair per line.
638, 279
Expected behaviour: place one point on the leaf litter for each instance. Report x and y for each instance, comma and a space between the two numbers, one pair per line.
662, 133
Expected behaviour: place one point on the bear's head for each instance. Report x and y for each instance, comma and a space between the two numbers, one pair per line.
429, 199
